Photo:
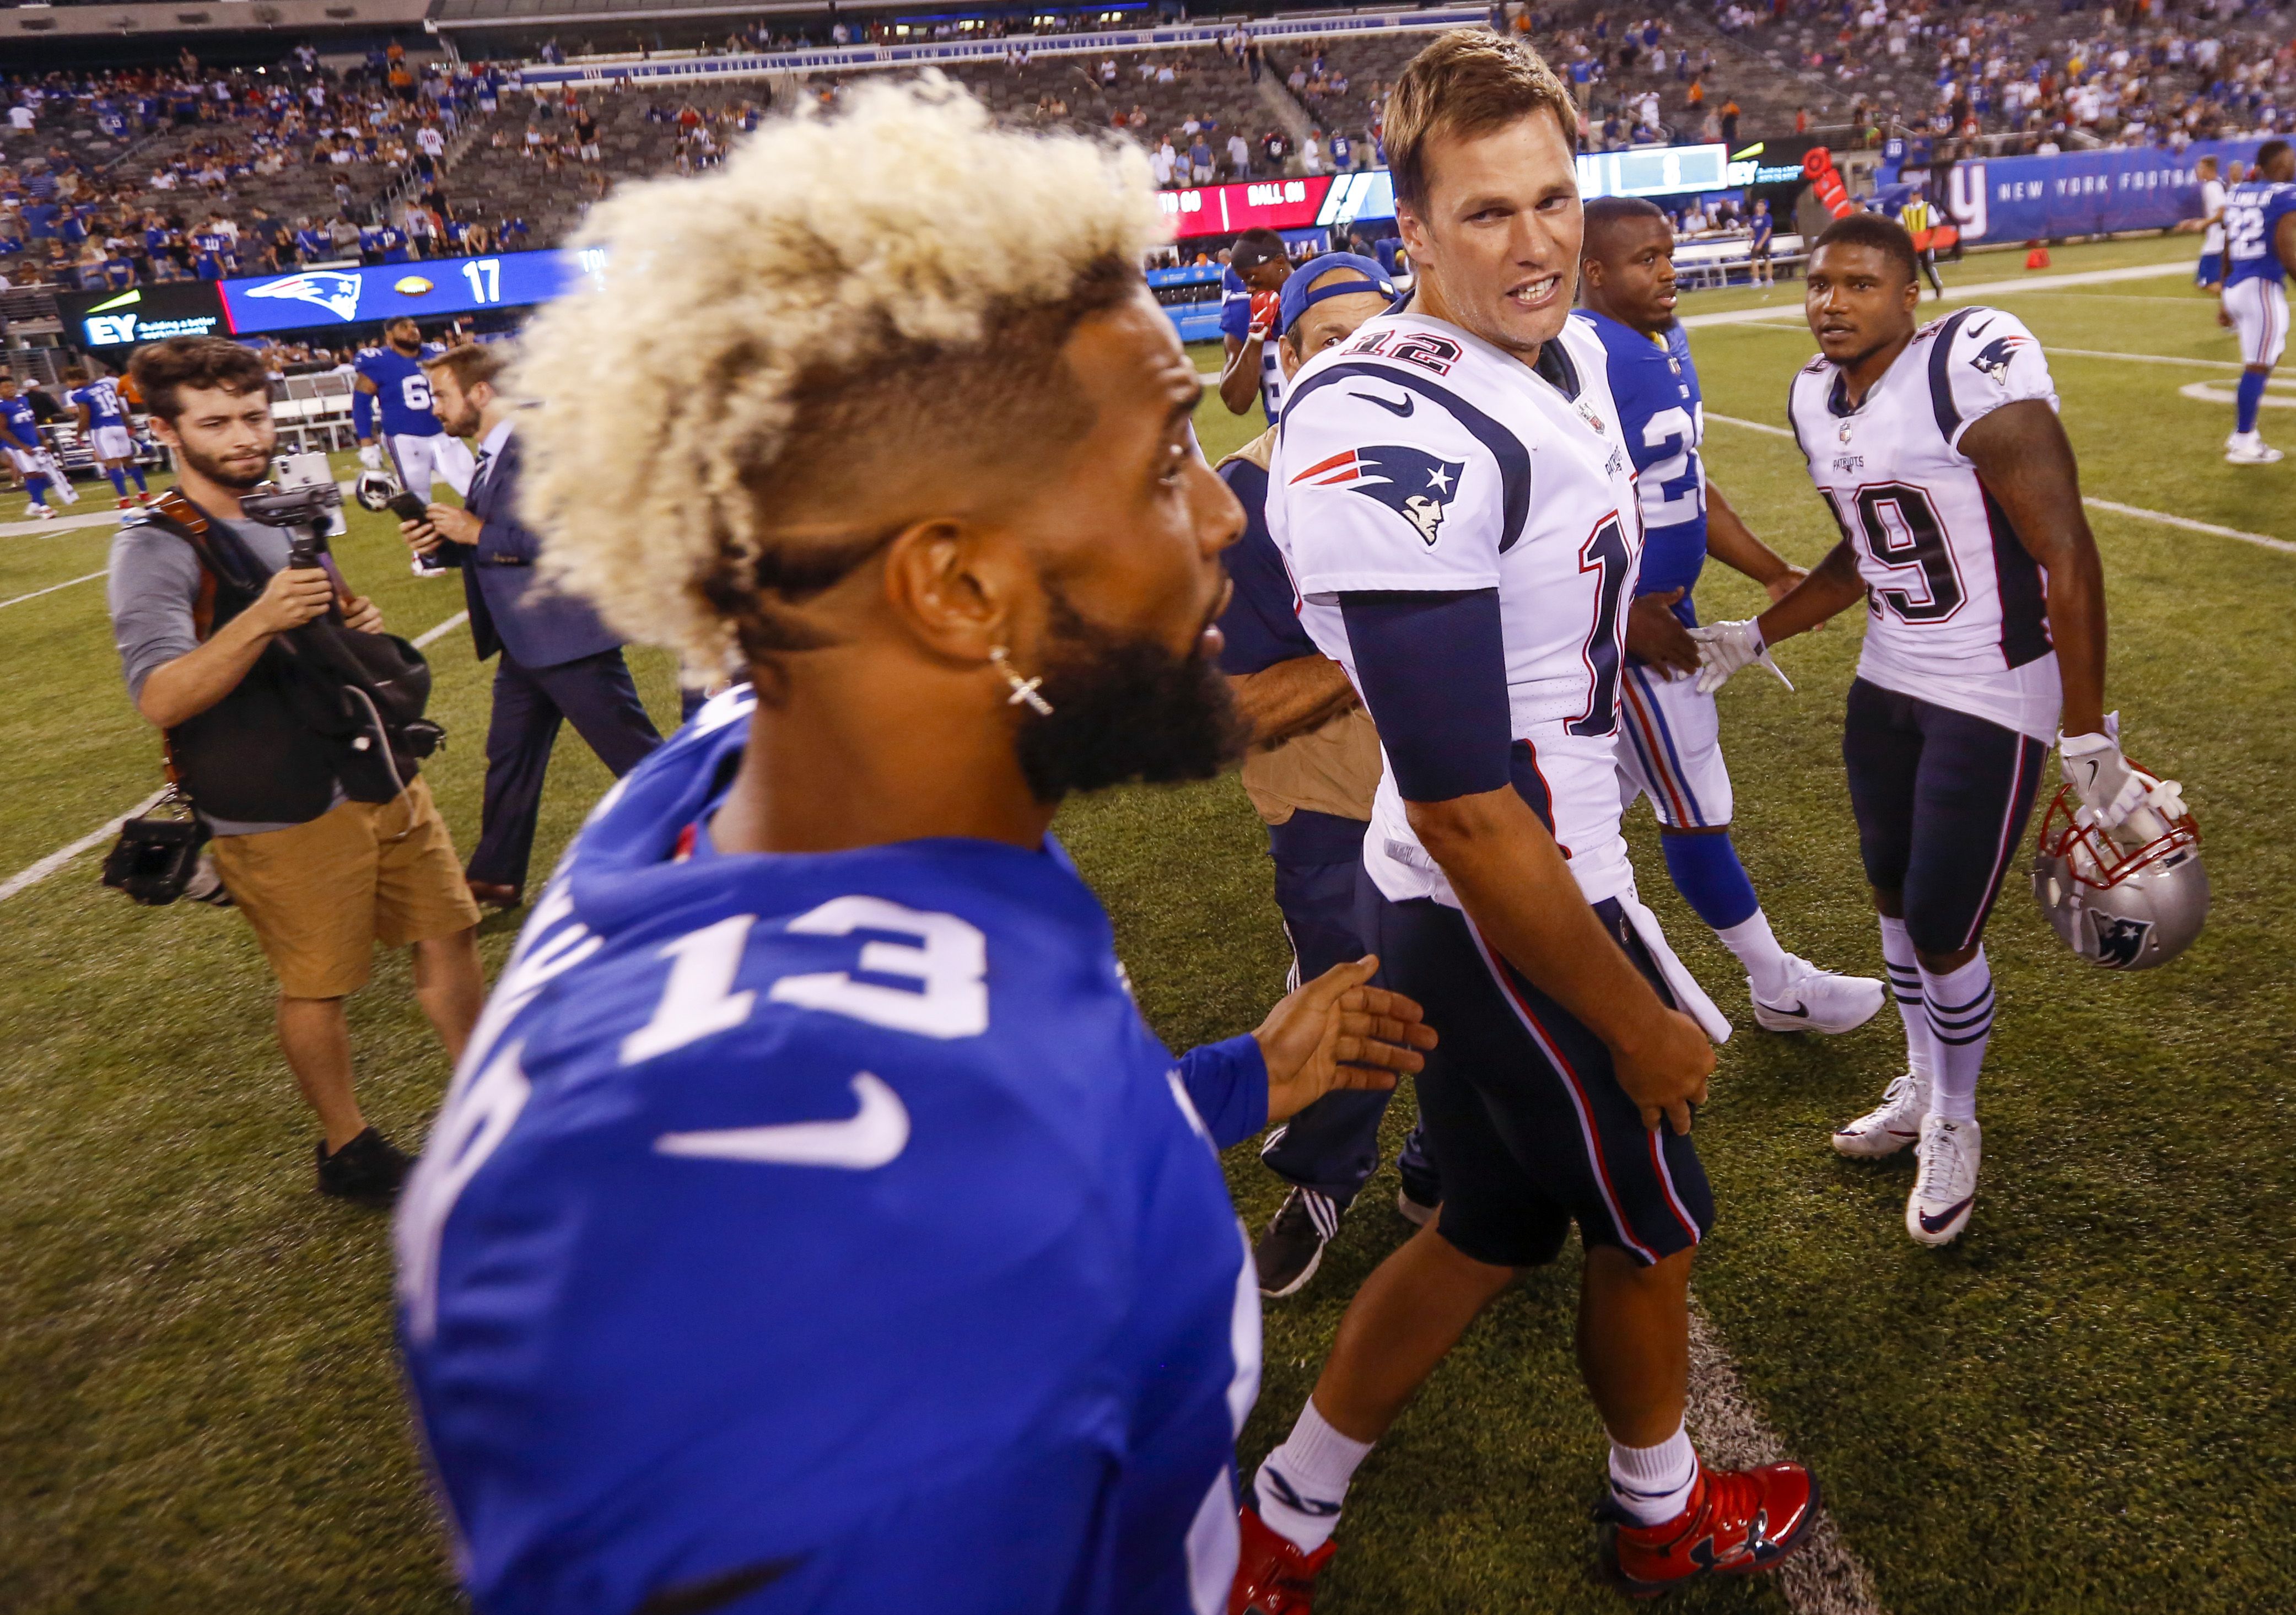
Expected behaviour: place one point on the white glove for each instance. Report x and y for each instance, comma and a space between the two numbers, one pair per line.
1724, 647
2109, 788
371, 456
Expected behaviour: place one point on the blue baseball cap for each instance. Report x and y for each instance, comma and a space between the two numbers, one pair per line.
1368, 277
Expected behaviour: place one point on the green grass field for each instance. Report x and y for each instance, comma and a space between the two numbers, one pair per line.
2084, 1404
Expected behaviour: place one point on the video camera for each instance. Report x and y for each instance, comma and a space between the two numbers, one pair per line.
301, 497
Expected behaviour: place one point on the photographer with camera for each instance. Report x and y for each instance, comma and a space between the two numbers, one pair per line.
236, 637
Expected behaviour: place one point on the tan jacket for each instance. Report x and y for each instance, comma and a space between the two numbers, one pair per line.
1333, 769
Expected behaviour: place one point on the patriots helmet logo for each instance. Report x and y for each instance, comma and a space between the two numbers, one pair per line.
1415, 484
2119, 941
336, 292
1994, 358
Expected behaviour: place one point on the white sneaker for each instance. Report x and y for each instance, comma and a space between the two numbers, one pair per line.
43, 512
2249, 449
1888, 1126
1938, 1208
1819, 1001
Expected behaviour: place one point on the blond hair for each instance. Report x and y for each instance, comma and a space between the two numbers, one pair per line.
847, 287
1469, 81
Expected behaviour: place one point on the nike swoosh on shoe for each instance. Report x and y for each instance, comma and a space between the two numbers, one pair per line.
1936, 1224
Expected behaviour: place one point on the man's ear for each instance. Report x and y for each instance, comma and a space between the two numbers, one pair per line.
956, 591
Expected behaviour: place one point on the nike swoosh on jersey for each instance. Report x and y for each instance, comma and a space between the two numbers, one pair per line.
1404, 408
1979, 330
874, 1135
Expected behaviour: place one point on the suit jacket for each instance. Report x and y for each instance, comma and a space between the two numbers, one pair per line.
510, 610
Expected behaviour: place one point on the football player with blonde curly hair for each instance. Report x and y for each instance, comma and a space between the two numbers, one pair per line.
815, 1223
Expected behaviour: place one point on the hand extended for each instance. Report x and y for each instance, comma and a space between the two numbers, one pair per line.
1334, 1032
291, 598
1666, 1071
1724, 647
1656, 635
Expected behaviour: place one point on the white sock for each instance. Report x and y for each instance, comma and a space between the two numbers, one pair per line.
1303, 1482
1904, 971
1652, 1483
1960, 1006
1767, 969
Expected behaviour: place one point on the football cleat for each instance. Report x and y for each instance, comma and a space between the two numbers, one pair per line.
1890, 1126
1946, 1192
43, 512
1293, 1248
1739, 1522
1271, 1576
2249, 449
1819, 1001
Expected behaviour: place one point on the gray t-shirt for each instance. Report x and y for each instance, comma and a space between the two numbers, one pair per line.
154, 583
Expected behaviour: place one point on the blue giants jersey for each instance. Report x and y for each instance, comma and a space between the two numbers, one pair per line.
101, 397
832, 1229
21, 424
1663, 418
2252, 224
1235, 321
403, 391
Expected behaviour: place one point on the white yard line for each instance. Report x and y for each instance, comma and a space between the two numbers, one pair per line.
51, 589
1825, 1578
2146, 358
2262, 540
59, 524
1960, 294
32, 874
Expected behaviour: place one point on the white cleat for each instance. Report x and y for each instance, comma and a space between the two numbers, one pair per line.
1819, 1001
2249, 449
1890, 1126
42, 512
1946, 1192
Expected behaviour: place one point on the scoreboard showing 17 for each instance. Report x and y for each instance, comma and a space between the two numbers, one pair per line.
426, 288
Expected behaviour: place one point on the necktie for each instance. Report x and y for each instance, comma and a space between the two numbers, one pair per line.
479, 472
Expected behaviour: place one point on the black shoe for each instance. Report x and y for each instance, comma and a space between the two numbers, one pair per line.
370, 1169
1288, 1253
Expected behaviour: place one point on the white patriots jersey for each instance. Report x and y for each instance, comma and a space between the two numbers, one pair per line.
1958, 608
1417, 458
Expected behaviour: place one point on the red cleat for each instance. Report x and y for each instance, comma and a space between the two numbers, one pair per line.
1739, 1522
1271, 1576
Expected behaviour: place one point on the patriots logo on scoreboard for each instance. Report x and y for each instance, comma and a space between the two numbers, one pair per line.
2120, 942
1994, 358
330, 289
1413, 483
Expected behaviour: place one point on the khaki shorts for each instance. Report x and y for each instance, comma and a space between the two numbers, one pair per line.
320, 896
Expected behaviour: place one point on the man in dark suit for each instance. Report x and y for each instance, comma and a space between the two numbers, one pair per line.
558, 659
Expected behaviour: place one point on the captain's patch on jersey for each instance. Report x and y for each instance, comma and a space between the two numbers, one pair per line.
1413, 483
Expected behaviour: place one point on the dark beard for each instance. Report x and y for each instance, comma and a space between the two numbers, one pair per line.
1123, 710
213, 470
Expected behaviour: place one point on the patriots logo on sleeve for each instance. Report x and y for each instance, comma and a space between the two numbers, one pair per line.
1994, 358
1415, 484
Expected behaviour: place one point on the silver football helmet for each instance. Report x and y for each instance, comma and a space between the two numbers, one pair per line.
2130, 899
374, 489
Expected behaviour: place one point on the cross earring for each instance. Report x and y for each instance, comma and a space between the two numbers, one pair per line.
1024, 690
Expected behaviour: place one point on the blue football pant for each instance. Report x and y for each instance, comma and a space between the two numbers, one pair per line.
1332, 1146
